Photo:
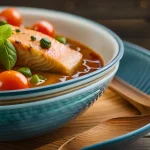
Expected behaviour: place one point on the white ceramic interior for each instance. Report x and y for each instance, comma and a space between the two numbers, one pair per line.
95, 36
79, 30
75, 28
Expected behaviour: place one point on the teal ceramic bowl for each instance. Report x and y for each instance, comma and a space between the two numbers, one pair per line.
36, 111
138, 59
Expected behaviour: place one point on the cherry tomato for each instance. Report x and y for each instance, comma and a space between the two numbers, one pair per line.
12, 16
44, 27
13, 80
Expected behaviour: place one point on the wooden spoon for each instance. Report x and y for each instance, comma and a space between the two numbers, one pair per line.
107, 130
129, 92
115, 127
139, 99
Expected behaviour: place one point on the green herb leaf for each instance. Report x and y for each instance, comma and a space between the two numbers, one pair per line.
35, 79
17, 30
41, 77
45, 43
8, 56
25, 71
3, 23
33, 38
61, 39
5, 32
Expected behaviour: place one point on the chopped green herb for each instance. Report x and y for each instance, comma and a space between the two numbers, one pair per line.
33, 38
45, 43
35, 79
3, 23
42, 77
25, 71
17, 30
8, 55
61, 39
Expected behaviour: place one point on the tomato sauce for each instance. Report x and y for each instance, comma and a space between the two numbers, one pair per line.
91, 62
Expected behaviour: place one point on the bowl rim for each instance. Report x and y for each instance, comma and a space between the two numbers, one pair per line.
104, 81
143, 130
66, 83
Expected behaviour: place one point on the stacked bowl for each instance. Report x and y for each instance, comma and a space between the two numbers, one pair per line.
36, 111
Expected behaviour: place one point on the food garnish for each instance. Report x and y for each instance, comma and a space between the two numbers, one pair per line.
8, 55
33, 38
45, 43
44, 27
13, 80
25, 71
17, 30
12, 16
61, 39
3, 23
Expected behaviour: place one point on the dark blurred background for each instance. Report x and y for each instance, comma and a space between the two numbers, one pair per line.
130, 19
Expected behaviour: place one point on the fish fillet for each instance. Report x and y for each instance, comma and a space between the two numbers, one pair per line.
59, 58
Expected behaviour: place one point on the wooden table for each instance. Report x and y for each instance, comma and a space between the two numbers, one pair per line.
108, 106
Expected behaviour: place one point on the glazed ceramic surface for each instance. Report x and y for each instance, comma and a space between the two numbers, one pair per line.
134, 69
27, 120
36, 111
96, 36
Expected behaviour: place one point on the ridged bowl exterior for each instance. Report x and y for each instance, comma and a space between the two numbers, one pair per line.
36, 111
27, 120
97, 37
134, 68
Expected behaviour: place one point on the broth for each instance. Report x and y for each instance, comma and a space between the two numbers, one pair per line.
91, 62
37, 47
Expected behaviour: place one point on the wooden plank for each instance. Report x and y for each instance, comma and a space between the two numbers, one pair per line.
126, 28
102, 9
49, 4
144, 42
109, 9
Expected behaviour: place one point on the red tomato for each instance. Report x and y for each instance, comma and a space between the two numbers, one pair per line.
12, 16
13, 80
44, 27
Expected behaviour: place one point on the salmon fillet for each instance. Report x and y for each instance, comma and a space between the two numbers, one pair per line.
59, 58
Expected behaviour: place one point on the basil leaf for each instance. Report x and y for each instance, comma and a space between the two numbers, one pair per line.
8, 56
1, 44
25, 71
5, 31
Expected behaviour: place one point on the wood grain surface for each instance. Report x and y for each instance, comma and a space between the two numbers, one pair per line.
105, 131
110, 105
130, 93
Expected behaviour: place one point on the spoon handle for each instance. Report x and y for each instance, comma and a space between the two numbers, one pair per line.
107, 130
129, 92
